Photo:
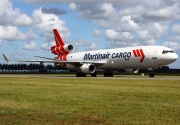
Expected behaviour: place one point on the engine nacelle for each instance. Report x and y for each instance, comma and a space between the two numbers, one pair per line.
88, 68
61, 49
131, 71
68, 47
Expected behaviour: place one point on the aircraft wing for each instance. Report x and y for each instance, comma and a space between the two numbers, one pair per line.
52, 60
76, 63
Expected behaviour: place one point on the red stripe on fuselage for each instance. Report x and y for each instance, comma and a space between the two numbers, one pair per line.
138, 53
142, 55
134, 53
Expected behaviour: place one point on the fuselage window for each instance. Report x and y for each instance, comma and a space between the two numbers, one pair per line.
164, 52
167, 51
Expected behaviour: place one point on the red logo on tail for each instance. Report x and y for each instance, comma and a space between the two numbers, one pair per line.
139, 53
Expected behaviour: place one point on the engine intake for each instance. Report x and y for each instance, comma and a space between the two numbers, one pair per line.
88, 68
68, 47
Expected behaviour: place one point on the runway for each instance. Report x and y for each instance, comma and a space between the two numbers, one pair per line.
72, 76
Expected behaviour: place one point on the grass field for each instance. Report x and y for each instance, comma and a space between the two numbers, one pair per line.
89, 101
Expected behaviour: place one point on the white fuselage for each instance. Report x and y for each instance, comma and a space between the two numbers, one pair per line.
141, 57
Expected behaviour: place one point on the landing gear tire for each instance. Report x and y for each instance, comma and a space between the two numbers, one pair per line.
109, 74
80, 74
93, 74
151, 74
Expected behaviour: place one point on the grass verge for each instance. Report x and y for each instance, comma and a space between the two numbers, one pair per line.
89, 101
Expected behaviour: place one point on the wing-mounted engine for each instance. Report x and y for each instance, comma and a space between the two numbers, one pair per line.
131, 71
88, 68
59, 50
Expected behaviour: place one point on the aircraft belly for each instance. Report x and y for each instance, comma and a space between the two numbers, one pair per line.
71, 67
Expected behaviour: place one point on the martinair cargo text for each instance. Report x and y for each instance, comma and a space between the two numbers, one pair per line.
130, 58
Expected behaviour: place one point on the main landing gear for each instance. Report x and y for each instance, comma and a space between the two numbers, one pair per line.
151, 74
93, 74
108, 73
81, 74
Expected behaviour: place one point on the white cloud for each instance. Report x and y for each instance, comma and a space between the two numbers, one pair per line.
173, 45
176, 29
144, 35
82, 45
132, 10
92, 46
11, 33
167, 12
10, 16
47, 46
20, 52
149, 42
72, 6
30, 46
176, 38
116, 2
111, 34
127, 24
118, 36
46, 22
97, 32
123, 23
1, 42
158, 30
152, 31
122, 39
140, 23
94, 11
9, 20
108, 9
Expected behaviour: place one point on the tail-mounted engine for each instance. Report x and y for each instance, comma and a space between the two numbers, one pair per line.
61, 50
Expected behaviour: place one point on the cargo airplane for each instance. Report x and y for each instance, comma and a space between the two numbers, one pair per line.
129, 58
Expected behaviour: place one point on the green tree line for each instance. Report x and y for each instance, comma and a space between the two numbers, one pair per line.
29, 68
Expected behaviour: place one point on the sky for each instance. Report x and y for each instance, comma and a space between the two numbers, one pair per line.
26, 25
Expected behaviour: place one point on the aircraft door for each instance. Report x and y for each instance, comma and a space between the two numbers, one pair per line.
154, 55
155, 60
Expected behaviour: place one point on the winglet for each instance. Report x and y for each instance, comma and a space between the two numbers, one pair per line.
5, 58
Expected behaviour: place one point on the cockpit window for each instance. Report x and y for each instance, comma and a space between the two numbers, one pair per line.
167, 51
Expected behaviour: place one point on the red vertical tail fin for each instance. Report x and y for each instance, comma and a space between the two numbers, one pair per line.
58, 39
61, 49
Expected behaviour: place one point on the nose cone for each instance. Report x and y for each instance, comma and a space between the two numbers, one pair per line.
174, 57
